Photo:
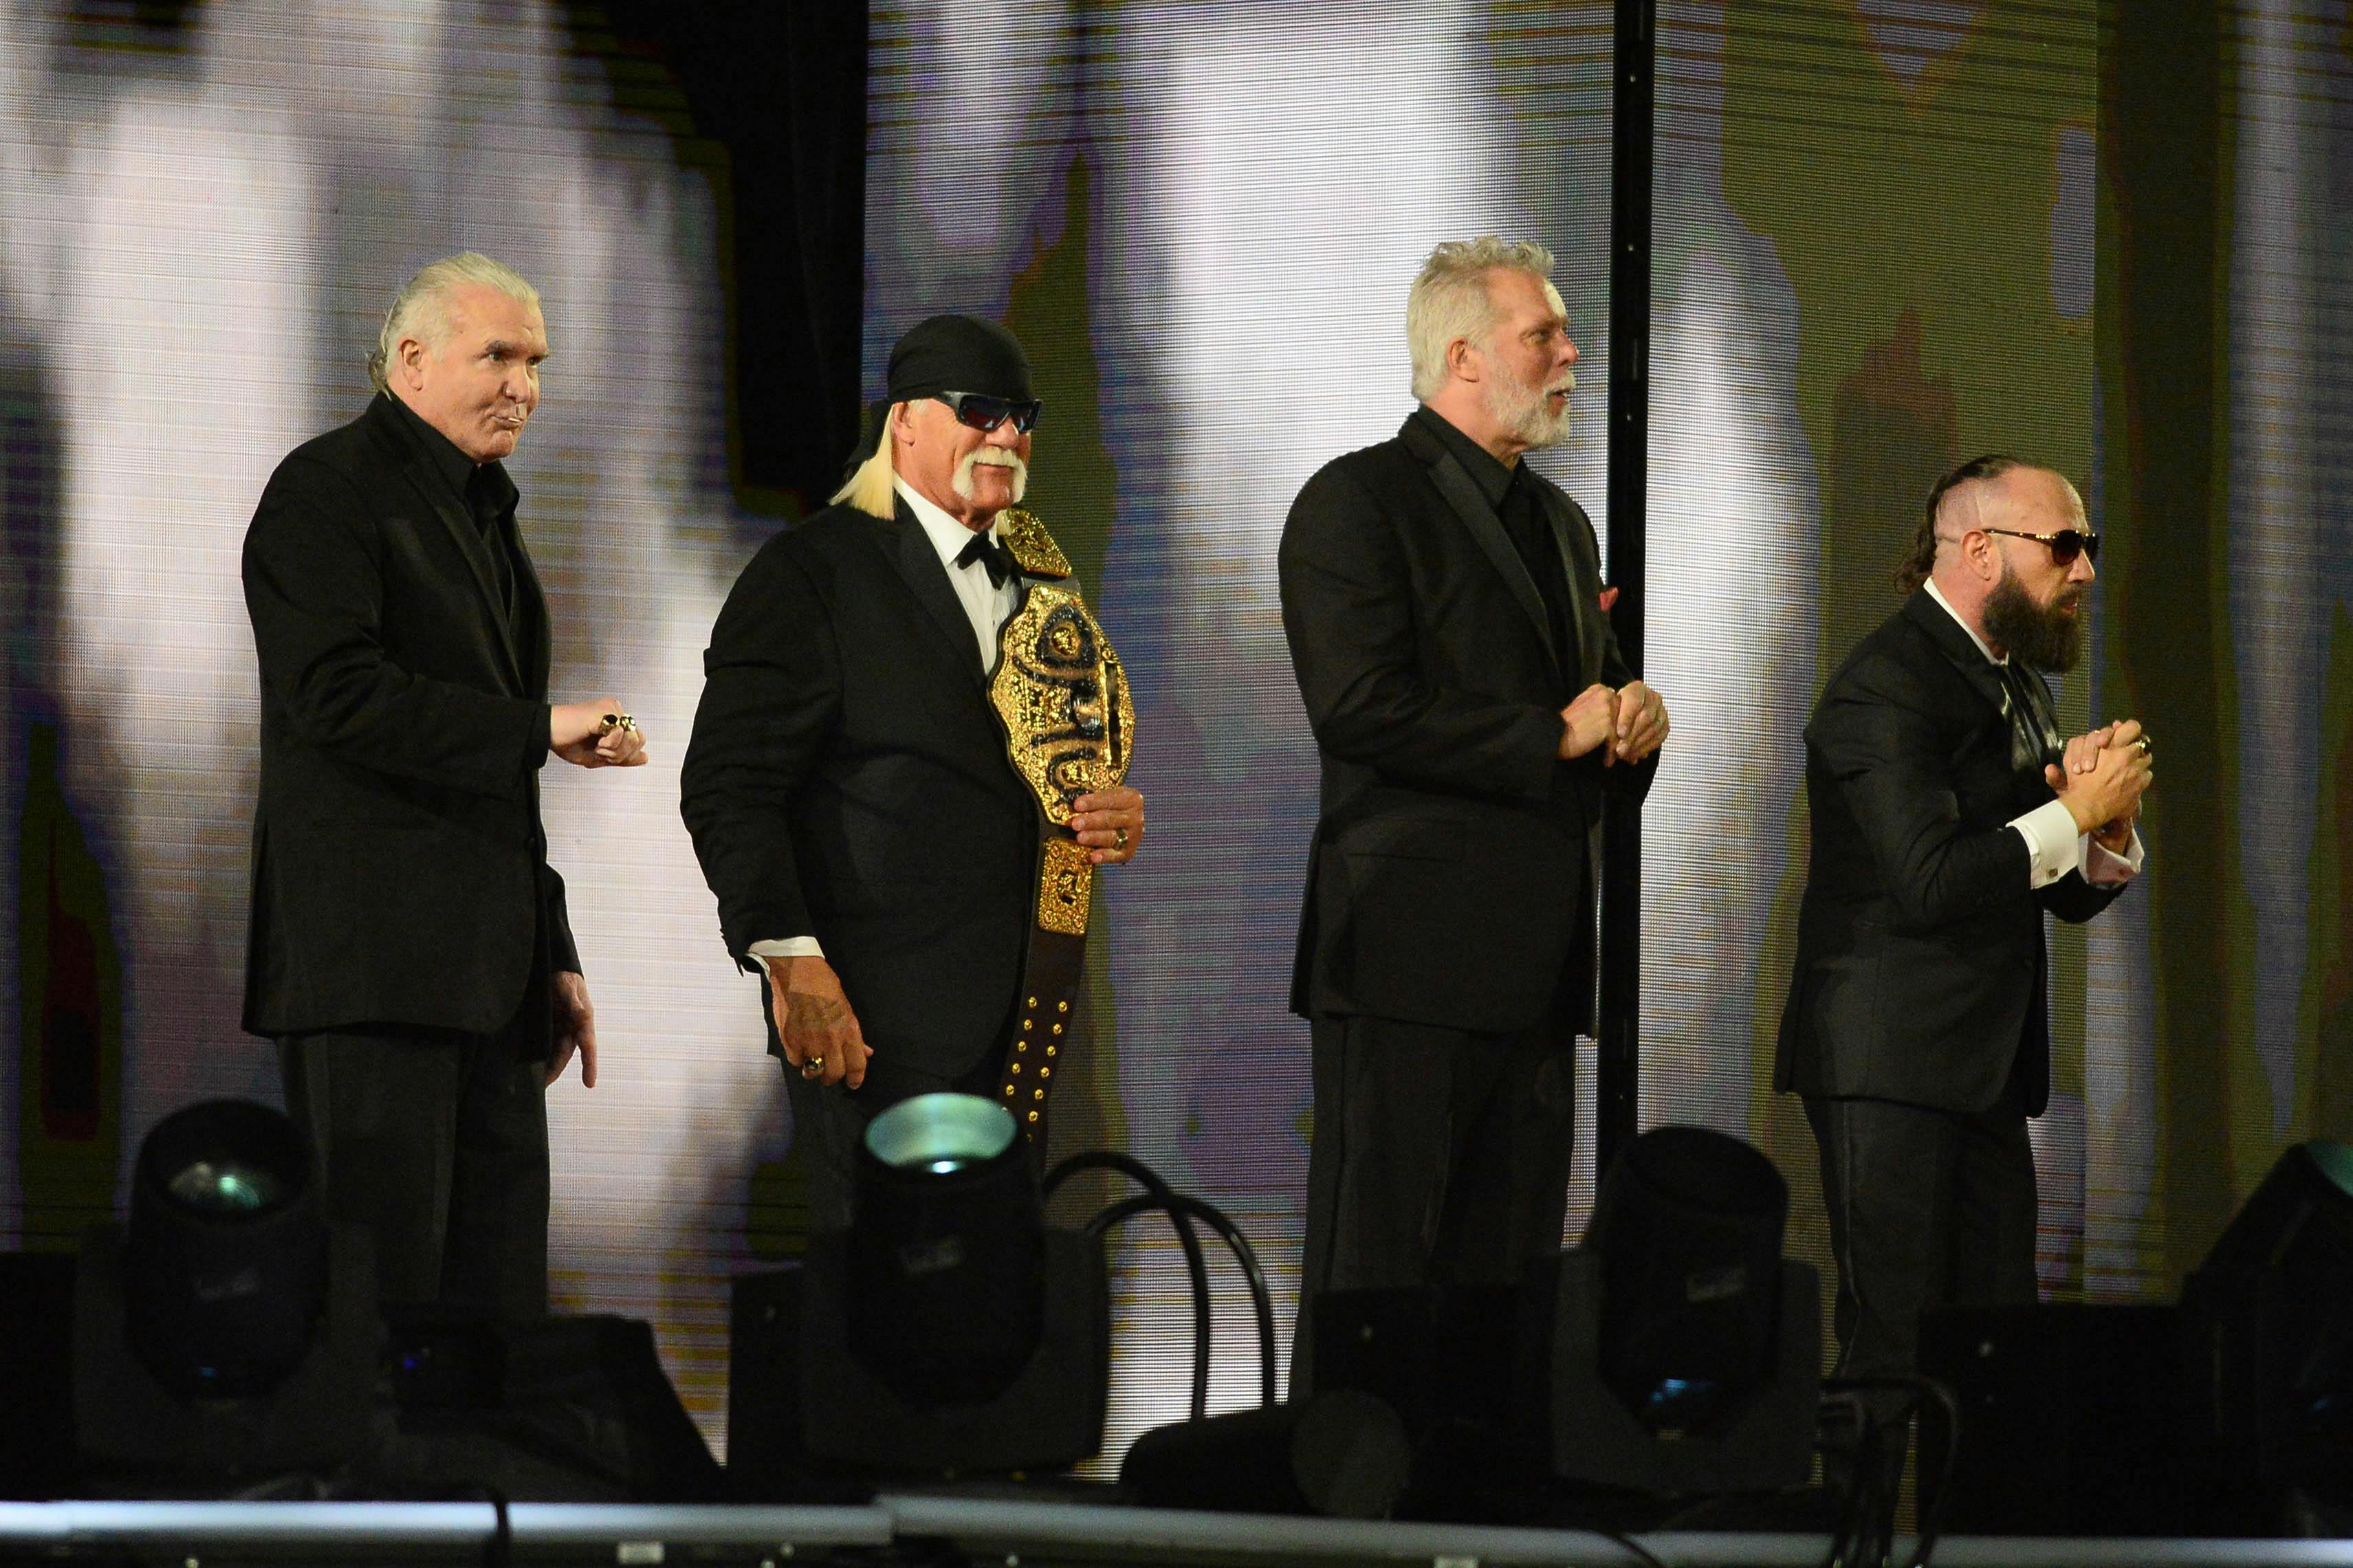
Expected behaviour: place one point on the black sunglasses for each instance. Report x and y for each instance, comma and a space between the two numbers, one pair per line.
2065, 545
979, 411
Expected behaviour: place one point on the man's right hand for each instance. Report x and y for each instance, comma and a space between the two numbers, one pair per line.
1589, 721
821, 1038
576, 733
2110, 792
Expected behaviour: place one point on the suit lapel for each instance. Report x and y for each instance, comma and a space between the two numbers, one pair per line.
476, 550
1583, 569
1953, 640
1487, 529
919, 566
531, 599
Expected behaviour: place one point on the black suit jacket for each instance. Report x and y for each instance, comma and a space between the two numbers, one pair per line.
847, 781
1450, 880
400, 873
1919, 974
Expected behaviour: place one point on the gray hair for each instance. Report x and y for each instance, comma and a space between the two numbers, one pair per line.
421, 309
1449, 300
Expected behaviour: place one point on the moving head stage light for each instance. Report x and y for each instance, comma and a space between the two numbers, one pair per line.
949, 1329
1674, 1354
230, 1333
2268, 1338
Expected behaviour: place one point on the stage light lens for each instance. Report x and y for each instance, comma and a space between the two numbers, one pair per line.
942, 1133
228, 1187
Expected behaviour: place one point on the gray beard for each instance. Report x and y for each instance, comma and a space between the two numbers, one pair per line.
2038, 637
1519, 408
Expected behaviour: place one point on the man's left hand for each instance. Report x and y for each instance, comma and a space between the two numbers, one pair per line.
1110, 824
1642, 726
575, 1027
2082, 755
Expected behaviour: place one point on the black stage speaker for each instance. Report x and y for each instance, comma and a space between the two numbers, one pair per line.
2072, 1422
807, 1420
563, 1409
1342, 1453
36, 1435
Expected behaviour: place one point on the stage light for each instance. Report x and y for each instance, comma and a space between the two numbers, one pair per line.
229, 1332
1688, 1226
948, 1329
226, 1256
946, 1251
1674, 1354
2268, 1319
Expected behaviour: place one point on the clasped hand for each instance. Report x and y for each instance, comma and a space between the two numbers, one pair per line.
1630, 723
2101, 777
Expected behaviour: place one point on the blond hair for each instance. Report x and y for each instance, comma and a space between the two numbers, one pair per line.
872, 486
421, 309
1450, 300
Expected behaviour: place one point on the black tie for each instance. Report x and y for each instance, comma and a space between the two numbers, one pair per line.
991, 554
2032, 740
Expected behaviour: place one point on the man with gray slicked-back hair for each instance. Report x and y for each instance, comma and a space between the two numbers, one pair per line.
409, 947
1445, 614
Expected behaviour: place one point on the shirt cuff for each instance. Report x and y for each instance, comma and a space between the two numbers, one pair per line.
2053, 846
2104, 867
786, 947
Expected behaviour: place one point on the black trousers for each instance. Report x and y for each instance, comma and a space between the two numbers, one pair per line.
1926, 1208
1439, 1157
435, 1143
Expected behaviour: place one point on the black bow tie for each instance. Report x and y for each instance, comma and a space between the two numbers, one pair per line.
991, 554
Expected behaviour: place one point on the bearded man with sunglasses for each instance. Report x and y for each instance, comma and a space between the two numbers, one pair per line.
848, 787
1948, 817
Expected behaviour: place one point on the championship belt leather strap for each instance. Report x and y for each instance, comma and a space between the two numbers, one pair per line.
1070, 721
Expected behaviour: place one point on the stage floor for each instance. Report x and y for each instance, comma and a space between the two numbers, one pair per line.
912, 1529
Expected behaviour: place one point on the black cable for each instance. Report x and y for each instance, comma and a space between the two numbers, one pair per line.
1196, 1265
1933, 1525
1640, 1552
1177, 1203
1871, 1483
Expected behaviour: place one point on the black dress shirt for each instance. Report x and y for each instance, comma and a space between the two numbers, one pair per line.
1512, 493
484, 490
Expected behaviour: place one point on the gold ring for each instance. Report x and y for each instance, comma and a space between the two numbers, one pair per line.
1119, 837
2143, 745
612, 722
812, 1063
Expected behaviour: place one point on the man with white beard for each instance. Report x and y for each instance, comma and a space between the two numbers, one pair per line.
1444, 611
874, 850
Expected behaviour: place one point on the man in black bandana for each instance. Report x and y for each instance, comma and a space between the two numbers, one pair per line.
409, 946
847, 787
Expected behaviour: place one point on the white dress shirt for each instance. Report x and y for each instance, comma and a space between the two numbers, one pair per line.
2052, 841
987, 605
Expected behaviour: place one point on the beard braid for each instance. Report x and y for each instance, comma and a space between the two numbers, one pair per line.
963, 481
2041, 637
1520, 409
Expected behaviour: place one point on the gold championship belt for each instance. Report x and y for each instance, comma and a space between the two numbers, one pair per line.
1070, 723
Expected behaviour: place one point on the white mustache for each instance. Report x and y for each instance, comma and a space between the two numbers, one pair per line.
995, 456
